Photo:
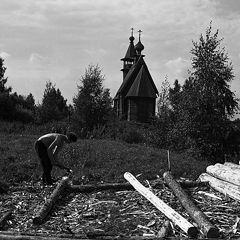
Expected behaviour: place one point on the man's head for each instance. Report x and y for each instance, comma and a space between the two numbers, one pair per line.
72, 137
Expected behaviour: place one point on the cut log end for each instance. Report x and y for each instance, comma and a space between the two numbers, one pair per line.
37, 220
213, 233
193, 232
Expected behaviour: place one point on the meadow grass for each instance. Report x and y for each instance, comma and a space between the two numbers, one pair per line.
92, 160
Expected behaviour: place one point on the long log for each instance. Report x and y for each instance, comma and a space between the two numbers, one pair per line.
232, 190
194, 212
47, 206
170, 213
100, 187
3, 219
127, 186
225, 173
37, 236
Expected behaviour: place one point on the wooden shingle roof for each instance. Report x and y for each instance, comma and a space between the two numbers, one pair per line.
142, 85
138, 81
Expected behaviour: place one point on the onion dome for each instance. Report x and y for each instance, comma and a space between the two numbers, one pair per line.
139, 47
131, 38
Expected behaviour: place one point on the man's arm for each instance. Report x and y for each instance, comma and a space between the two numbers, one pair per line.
53, 150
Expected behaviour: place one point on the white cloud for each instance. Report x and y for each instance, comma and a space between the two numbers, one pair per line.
39, 60
94, 52
4, 55
178, 68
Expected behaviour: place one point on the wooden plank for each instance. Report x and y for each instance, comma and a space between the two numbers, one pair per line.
46, 208
232, 190
170, 213
194, 212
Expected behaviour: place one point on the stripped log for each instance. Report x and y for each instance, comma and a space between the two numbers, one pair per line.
194, 212
170, 213
6, 216
225, 173
229, 189
46, 208
232, 165
165, 230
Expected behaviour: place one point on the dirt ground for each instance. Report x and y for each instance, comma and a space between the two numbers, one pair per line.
125, 213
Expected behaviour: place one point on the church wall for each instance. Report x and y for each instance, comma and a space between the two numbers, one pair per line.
141, 109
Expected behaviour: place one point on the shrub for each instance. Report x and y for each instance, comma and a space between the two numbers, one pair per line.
131, 135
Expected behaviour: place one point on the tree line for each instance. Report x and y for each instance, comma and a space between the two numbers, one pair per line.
195, 116
90, 107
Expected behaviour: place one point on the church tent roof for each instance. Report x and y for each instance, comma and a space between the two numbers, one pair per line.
142, 85
134, 73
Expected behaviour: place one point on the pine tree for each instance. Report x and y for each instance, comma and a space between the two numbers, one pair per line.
54, 106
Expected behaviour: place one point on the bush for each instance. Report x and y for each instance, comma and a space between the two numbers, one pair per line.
131, 135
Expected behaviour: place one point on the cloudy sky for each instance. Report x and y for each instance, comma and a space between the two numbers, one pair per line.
56, 40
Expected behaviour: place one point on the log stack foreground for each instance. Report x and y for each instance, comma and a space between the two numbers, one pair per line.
224, 178
194, 212
170, 213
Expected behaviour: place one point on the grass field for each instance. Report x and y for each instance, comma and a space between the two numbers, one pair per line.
92, 160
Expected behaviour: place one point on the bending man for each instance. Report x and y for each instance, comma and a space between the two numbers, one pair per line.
47, 148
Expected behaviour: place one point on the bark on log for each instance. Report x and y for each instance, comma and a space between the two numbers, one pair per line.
162, 206
101, 187
46, 208
194, 212
225, 173
232, 190
192, 184
165, 230
6, 216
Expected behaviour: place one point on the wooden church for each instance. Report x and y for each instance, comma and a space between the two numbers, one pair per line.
136, 98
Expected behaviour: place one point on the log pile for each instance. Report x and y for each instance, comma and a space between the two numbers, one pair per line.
224, 178
115, 210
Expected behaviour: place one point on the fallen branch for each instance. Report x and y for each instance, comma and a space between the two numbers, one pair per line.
194, 212
6, 216
162, 206
232, 190
46, 208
